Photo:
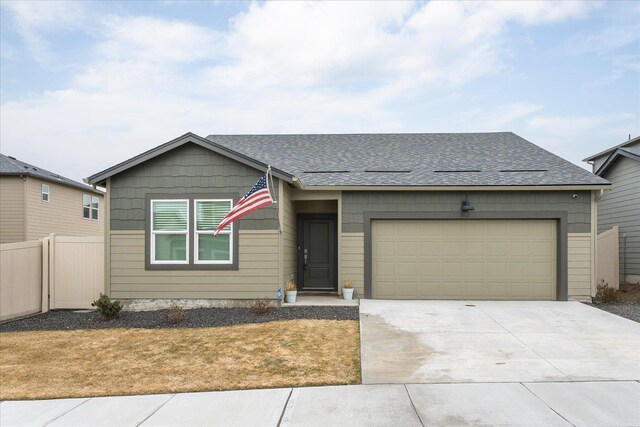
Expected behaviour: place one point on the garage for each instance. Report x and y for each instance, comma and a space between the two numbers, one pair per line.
464, 259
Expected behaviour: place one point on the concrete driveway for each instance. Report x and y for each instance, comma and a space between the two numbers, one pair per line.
495, 341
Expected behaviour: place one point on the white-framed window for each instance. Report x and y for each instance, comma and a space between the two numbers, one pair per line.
169, 231
45, 193
208, 249
90, 207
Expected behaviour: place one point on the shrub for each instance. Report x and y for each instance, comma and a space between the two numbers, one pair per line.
107, 308
174, 315
348, 284
261, 306
605, 293
290, 286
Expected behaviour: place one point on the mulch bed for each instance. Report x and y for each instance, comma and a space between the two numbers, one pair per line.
195, 318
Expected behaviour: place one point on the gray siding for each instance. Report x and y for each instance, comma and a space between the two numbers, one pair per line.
355, 203
187, 169
621, 207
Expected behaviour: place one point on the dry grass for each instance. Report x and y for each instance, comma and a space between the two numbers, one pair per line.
41, 365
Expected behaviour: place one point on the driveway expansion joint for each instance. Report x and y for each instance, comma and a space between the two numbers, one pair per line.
284, 408
546, 404
66, 412
156, 410
413, 405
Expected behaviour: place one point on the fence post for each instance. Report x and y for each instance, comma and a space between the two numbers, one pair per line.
45, 275
52, 271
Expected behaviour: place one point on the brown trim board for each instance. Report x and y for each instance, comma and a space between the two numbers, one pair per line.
190, 266
561, 229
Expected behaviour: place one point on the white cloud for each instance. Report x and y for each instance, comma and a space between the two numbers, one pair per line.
577, 137
33, 20
282, 67
498, 118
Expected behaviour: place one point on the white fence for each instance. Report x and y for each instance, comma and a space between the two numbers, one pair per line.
56, 272
608, 258
20, 279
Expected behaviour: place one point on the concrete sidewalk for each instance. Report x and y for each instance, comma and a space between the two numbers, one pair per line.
549, 404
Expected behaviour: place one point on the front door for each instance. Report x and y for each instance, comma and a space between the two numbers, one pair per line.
317, 252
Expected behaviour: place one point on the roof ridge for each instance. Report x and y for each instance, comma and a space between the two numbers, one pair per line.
359, 133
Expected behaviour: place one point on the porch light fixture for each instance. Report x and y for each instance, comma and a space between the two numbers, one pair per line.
466, 207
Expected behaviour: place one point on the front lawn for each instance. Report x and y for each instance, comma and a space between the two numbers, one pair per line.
108, 362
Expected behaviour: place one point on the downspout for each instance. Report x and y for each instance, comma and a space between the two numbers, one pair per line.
624, 258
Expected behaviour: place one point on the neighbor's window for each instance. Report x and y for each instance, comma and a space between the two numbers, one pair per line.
169, 231
209, 249
90, 206
45, 193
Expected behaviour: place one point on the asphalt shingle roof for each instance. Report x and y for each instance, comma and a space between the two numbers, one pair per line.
426, 159
13, 166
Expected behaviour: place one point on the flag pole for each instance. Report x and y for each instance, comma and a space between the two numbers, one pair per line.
275, 202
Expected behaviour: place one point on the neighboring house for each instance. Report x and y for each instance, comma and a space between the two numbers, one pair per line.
35, 203
381, 209
621, 206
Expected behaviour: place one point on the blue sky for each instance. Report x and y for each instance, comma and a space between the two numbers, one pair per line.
86, 85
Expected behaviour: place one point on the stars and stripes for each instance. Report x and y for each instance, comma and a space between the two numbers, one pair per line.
258, 197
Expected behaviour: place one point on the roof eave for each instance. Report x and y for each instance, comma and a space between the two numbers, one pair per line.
559, 187
609, 150
66, 184
612, 159
101, 177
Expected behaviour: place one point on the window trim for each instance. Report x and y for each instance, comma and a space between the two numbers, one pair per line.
196, 234
152, 255
42, 193
190, 265
91, 209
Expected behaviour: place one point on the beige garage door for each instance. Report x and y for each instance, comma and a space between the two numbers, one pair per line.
464, 259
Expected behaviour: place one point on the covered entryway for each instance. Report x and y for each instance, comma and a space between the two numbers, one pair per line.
464, 259
317, 254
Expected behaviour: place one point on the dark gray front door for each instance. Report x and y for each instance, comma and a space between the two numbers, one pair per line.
317, 252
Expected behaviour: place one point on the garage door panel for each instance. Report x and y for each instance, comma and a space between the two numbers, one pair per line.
468, 259
404, 269
385, 248
496, 248
519, 248
406, 248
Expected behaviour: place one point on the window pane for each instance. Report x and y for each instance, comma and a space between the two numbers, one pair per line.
86, 200
170, 215
209, 214
214, 248
171, 247
45, 197
85, 212
94, 202
94, 213
45, 188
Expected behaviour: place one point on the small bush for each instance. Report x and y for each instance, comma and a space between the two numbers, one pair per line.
108, 309
290, 286
348, 284
174, 315
605, 293
261, 306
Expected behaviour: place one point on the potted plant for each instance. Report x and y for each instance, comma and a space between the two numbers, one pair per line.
290, 291
347, 289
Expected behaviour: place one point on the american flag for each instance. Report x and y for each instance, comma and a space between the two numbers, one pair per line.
258, 197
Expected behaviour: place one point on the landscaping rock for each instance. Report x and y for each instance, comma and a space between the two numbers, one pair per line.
628, 310
194, 318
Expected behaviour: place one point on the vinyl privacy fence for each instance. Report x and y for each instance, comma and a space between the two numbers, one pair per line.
55, 272
608, 258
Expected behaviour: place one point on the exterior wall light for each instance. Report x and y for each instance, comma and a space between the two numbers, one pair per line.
466, 207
